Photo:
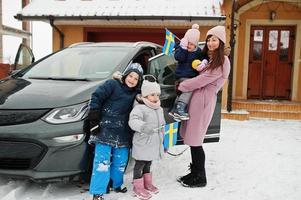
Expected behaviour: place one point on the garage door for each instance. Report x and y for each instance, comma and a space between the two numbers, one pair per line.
128, 35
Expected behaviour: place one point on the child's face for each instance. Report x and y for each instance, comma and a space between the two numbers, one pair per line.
212, 43
154, 98
190, 47
131, 79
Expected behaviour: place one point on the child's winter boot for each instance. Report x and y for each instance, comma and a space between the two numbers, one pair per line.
98, 197
139, 190
148, 183
172, 111
181, 112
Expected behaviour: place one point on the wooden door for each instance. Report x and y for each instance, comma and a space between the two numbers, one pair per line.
270, 62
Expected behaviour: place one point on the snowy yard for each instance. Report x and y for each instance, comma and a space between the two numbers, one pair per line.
254, 160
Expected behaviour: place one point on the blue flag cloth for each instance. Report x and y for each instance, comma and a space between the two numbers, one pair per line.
169, 43
170, 134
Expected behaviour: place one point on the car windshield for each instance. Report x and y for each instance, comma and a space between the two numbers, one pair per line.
79, 63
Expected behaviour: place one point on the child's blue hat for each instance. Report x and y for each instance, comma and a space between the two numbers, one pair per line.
134, 67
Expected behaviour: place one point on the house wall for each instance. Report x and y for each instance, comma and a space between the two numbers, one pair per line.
258, 13
73, 34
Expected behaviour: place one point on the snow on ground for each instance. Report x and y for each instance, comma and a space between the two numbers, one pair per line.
254, 160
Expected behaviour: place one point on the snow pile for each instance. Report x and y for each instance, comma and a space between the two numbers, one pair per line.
255, 159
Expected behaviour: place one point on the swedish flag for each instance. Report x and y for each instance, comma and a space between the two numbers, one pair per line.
169, 42
170, 134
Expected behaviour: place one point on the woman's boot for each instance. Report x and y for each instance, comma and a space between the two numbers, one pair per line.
198, 173
187, 176
197, 179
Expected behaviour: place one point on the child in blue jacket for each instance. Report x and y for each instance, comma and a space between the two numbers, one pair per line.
187, 51
109, 110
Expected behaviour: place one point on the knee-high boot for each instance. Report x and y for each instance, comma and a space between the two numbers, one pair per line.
198, 172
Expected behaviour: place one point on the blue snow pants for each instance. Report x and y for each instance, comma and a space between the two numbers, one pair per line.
109, 163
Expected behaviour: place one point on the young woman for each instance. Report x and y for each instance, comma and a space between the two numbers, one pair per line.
202, 104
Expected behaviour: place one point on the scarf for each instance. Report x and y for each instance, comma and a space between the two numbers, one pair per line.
151, 104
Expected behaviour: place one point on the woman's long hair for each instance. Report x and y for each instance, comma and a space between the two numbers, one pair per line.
216, 57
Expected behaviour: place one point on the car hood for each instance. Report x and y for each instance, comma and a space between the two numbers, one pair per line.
37, 94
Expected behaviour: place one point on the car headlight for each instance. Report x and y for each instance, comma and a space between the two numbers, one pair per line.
67, 114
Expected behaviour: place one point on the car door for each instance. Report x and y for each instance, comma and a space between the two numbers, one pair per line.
163, 68
24, 57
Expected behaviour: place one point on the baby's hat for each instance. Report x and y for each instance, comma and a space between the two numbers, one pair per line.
193, 34
148, 88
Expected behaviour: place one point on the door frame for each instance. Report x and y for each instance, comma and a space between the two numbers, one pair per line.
245, 67
262, 64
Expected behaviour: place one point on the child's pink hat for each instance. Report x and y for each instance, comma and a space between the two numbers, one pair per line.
218, 31
193, 34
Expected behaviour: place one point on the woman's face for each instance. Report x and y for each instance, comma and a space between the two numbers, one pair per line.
212, 43
154, 98
131, 80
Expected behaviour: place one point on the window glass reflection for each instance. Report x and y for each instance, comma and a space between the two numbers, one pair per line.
284, 44
273, 40
257, 44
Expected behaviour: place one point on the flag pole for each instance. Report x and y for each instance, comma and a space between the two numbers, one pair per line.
173, 34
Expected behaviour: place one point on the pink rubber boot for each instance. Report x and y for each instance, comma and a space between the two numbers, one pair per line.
139, 190
148, 183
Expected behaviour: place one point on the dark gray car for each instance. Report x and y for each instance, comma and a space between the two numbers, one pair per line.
43, 106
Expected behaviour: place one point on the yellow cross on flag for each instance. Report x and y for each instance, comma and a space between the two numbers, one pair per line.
169, 42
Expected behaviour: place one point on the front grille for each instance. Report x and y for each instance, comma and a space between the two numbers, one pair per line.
12, 117
14, 163
20, 155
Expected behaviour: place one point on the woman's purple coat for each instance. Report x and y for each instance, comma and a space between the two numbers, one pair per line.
202, 104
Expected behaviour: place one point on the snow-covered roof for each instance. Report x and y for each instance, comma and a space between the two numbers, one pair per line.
78, 10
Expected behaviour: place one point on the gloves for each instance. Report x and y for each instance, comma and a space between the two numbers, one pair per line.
91, 125
94, 127
184, 43
148, 128
202, 65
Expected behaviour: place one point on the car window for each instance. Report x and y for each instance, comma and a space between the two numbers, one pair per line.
80, 62
23, 58
163, 68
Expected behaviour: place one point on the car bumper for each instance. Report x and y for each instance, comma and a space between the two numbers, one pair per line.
30, 150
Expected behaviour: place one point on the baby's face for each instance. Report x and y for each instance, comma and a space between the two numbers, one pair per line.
190, 47
154, 97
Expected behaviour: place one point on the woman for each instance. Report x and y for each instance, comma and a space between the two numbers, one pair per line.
202, 104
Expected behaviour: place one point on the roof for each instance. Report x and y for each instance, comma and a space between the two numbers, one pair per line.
115, 44
66, 11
